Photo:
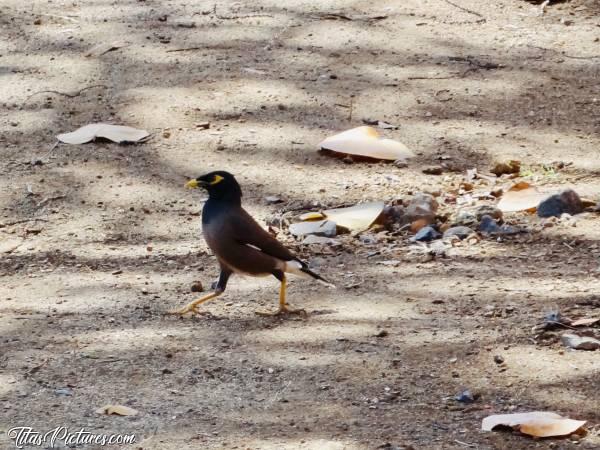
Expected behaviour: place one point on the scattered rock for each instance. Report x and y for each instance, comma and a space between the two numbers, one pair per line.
580, 342
488, 210
465, 397
498, 359
272, 200
433, 170
566, 202
465, 219
319, 228
489, 226
421, 206
460, 232
426, 234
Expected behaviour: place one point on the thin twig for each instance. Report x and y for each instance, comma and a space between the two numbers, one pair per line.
470, 11
581, 57
16, 222
49, 199
184, 49
66, 94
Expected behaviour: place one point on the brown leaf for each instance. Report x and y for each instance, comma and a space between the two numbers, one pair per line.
584, 322
512, 166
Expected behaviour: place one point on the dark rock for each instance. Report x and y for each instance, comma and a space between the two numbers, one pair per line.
498, 359
465, 397
566, 202
421, 206
489, 226
460, 232
426, 234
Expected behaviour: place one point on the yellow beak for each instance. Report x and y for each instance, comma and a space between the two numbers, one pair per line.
192, 184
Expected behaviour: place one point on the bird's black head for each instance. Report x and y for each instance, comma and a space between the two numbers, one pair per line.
220, 185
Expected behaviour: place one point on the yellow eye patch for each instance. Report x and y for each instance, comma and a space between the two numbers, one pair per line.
217, 179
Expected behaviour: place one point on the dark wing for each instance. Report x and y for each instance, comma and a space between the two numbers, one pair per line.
248, 232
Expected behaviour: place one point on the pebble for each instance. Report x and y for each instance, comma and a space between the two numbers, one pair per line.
272, 200
489, 226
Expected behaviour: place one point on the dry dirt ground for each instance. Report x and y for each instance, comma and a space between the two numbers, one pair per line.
99, 240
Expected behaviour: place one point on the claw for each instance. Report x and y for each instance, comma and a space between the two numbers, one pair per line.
283, 311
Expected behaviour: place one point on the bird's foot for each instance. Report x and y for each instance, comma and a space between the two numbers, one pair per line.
189, 308
283, 311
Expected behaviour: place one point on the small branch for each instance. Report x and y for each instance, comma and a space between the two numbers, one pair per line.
184, 49
16, 222
65, 94
581, 57
49, 199
470, 11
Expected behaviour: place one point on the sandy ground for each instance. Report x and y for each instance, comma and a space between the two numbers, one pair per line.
99, 240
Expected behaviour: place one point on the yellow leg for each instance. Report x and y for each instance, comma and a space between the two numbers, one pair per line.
192, 307
283, 306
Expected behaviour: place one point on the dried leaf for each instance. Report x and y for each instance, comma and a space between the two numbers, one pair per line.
584, 322
520, 197
118, 410
536, 423
104, 47
509, 167
356, 218
366, 142
115, 133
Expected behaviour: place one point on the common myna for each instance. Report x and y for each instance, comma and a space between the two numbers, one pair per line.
240, 244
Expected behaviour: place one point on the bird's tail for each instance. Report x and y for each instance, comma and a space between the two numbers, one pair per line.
300, 268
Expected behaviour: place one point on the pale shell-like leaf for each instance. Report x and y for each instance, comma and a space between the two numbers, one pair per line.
520, 197
536, 423
356, 218
365, 141
115, 133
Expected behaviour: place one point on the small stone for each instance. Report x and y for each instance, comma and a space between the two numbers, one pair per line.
382, 333
166, 134
460, 232
426, 234
272, 200
421, 206
37, 22
566, 202
433, 170
489, 226
166, 371
202, 125
465, 219
197, 287
488, 210
580, 342
498, 359
465, 397
63, 392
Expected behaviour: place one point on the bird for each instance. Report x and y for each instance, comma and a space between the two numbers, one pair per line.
240, 244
